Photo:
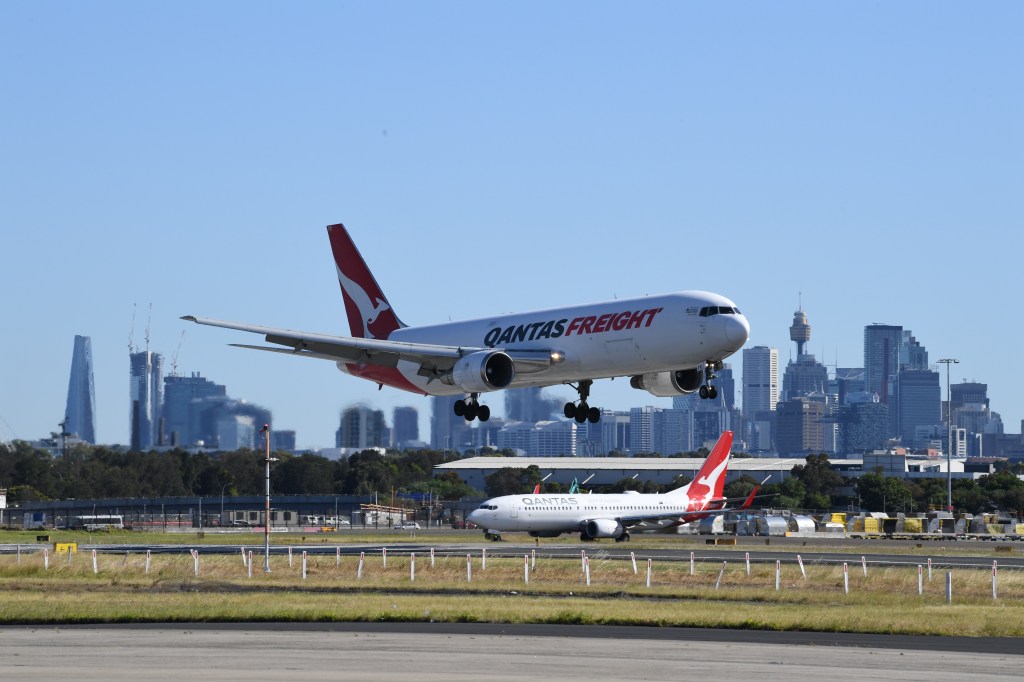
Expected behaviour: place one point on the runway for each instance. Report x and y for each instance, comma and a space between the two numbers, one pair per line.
431, 652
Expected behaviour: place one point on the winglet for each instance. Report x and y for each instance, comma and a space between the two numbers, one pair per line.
753, 493
370, 316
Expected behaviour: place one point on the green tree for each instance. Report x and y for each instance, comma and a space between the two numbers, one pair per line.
880, 493
512, 480
820, 481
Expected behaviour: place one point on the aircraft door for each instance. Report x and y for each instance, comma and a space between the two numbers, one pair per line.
515, 511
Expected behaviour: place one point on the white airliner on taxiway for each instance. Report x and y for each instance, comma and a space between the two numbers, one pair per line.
611, 515
668, 345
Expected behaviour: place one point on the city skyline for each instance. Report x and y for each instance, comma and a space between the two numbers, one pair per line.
868, 157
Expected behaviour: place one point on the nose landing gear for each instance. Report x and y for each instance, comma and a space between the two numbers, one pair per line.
471, 409
582, 412
707, 391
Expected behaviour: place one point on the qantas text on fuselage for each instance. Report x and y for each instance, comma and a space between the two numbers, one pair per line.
669, 344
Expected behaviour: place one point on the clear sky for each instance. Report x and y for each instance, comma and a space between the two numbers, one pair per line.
499, 157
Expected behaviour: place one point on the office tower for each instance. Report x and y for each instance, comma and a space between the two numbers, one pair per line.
881, 358
912, 354
554, 438
447, 431
798, 427
848, 381
80, 413
968, 392
863, 426
640, 429
362, 427
186, 400
145, 391
673, 431
726, 384
615, 431
405, 426
918, 403
760, 379
282, 440
529, 405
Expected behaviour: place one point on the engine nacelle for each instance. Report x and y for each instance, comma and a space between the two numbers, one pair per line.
669, 384
603, 528
482, 371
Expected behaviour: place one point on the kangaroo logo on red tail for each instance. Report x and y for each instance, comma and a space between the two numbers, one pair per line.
369, 313
710, 480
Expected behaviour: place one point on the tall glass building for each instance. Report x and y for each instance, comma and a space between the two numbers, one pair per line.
145, 391
80, 413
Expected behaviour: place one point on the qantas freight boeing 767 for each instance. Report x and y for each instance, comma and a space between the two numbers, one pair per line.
668, 345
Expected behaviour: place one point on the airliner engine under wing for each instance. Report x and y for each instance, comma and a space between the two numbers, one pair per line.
610, 515
668, 345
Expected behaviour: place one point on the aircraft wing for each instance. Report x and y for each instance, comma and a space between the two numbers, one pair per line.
433, 359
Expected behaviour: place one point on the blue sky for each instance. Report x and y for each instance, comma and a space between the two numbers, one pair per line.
500, 157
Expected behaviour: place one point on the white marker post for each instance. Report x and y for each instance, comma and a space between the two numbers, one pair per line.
778, 573
70, 554
929, 569
526, 569
846, 578
864, 563
586, 569
632, 557
648, 573
384, 556
195, 560
583, 560
469, 569
431, 557
720, 574
242, 550
303, 564
148, 557
412, 567
46, 559
800, 561
949, 587
994, 593
289, 557
920, 579
748, 563
337, 556
95, 567
533, 559
250, 563
359, 571
691, 563
483, 559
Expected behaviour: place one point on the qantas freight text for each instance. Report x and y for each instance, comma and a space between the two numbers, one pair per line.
553, 329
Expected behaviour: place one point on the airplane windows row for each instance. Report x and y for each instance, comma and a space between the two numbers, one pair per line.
708, 311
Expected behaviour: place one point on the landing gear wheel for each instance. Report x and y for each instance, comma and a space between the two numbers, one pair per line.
471, 411
623, 538
593, 415
483, 413
703, 392
712, 392
460, 407
569, 411
580, 413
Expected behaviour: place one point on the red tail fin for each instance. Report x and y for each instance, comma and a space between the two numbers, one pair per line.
710, 480
369, 313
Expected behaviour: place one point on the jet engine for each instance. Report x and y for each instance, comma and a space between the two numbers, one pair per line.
669, 384
603, 528
482, 371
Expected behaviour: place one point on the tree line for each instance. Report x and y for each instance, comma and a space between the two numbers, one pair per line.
98, 472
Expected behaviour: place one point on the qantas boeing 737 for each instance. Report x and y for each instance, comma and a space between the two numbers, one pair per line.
611, 515
668, 345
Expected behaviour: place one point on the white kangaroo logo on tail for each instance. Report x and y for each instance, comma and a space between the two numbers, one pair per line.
368, 310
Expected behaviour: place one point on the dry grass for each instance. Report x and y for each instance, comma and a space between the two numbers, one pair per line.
884, 601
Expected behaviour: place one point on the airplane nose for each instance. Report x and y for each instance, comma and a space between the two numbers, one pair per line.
737, 330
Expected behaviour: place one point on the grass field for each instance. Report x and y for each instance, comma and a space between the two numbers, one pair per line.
885, 601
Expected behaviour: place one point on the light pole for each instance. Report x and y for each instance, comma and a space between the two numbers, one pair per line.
949, 435
266, 514
222, 488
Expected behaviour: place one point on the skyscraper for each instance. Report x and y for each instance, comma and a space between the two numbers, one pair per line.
80, 413
760, 379
405, 426
145, 392
881, 358
919, 403
186, 399
362, 427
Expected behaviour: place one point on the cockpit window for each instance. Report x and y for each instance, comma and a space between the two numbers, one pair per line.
490, 507
708, 311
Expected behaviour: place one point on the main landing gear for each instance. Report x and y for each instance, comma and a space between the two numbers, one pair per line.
471, 409
582, 412
707, 391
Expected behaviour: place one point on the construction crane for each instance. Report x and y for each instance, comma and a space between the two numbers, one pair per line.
174, 358
131, 333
